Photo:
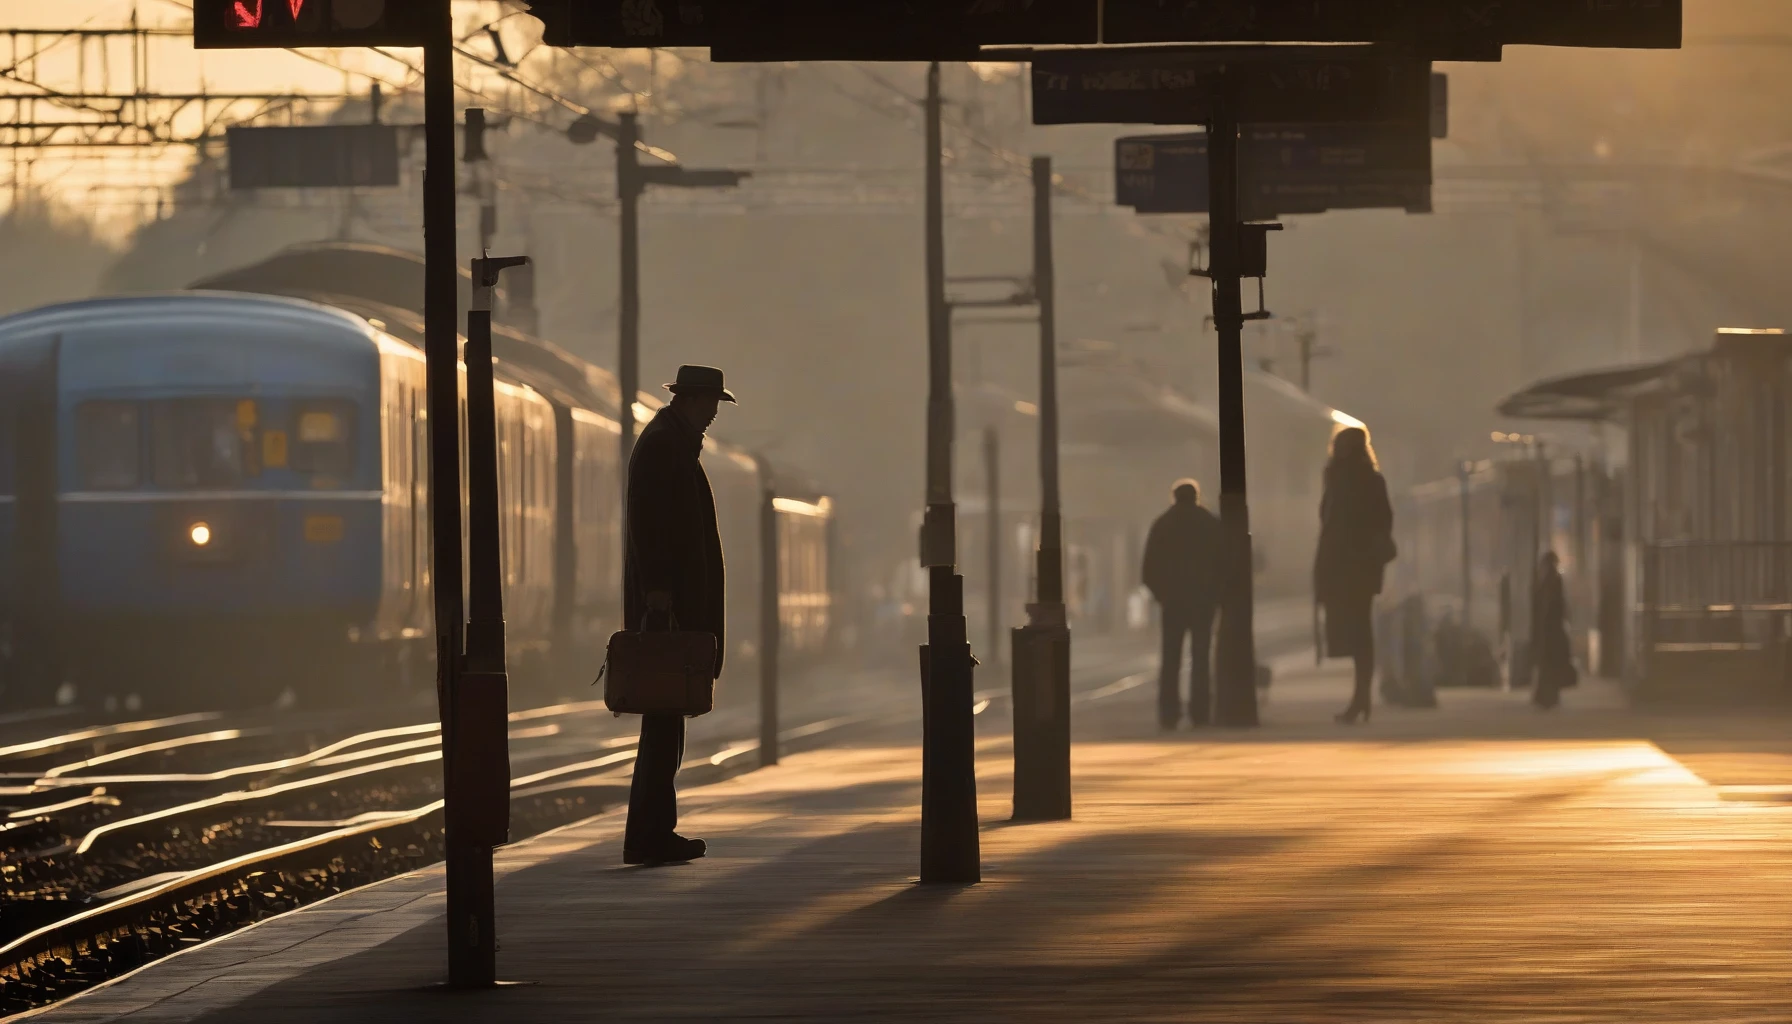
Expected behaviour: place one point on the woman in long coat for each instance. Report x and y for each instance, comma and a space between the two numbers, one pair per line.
1356, 543
1551, 654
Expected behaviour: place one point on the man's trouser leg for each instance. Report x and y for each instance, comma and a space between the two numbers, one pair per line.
1200, 668
1169, 683
652, 798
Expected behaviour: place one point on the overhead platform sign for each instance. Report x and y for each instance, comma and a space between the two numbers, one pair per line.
768, 30
1283, 170
1304, 84
1441, 29
780, 30
314, 156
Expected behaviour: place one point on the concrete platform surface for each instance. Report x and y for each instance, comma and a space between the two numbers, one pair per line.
1479, 862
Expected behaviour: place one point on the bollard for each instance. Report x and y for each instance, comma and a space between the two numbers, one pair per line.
1041, 687
950, 845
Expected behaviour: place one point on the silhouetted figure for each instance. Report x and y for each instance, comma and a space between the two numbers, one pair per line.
672, 574
1182, 560
1550, 650
1356, 543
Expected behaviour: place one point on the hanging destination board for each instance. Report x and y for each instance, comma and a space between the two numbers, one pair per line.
779, 30
1472, 25
1179, 86
767, 30
1283, 170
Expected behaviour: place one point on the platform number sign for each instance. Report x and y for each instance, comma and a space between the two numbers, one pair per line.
281, 24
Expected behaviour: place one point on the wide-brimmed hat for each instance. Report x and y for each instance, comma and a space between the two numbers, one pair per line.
700, 380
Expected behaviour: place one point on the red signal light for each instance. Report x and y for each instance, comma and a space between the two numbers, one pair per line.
280, 24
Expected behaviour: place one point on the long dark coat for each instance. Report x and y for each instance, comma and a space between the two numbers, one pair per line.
1182, 557
1356, 530
1356, 542
673, 542
1552, 656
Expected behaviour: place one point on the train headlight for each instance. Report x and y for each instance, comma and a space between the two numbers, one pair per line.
200, 534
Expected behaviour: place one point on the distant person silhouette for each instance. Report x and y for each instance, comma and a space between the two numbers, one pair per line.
1356, 543
673, 573
1551, 653
1182, 570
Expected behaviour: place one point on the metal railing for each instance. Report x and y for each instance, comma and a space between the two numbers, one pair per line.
1713, 577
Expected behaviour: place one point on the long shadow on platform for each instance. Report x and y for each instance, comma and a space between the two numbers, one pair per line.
833, 926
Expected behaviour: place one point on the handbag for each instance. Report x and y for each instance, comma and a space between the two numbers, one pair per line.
660, 672
1386, 550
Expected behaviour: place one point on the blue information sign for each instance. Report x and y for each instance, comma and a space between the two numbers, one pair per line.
1283, 170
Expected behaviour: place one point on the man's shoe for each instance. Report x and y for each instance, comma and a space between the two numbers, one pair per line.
675, 850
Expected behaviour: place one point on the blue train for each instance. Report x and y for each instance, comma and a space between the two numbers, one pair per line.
219, 498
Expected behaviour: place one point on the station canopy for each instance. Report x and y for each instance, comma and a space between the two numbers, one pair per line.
1596, 396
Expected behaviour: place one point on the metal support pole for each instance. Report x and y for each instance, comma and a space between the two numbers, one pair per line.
992, 479
629, 188
770, 620
1236, 659
1306, 358
472, 953
1041, 658
1464, 472
1051, 527
949, 841
484, 184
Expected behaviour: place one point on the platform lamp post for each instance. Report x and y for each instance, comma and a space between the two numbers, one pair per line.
476, 742
632, 180
950, 845
1041, 658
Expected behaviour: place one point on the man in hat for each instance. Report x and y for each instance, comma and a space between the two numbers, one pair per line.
672, 573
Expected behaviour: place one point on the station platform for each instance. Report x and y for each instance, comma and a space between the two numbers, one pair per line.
1482, 861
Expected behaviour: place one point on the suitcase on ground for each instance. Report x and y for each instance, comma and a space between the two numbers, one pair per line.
669, 672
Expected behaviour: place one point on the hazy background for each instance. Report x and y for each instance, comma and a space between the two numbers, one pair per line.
1592, 208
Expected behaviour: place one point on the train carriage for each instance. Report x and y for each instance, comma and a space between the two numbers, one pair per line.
211, 498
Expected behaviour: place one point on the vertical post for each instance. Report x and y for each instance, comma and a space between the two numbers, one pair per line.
1307, 338
1236, 659
1050, 565
1463, 473
1041, 660
770, 618
949, 840
476, 160
992, 480
471, 950
628, 326
1633, 328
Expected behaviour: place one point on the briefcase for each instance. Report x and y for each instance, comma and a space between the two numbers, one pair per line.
666, 672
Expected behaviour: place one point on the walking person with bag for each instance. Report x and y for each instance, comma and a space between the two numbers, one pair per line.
1182, 560
672, 580
1356, 543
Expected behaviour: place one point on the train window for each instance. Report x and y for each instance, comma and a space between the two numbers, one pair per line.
109, 445
201, 443
323, 438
